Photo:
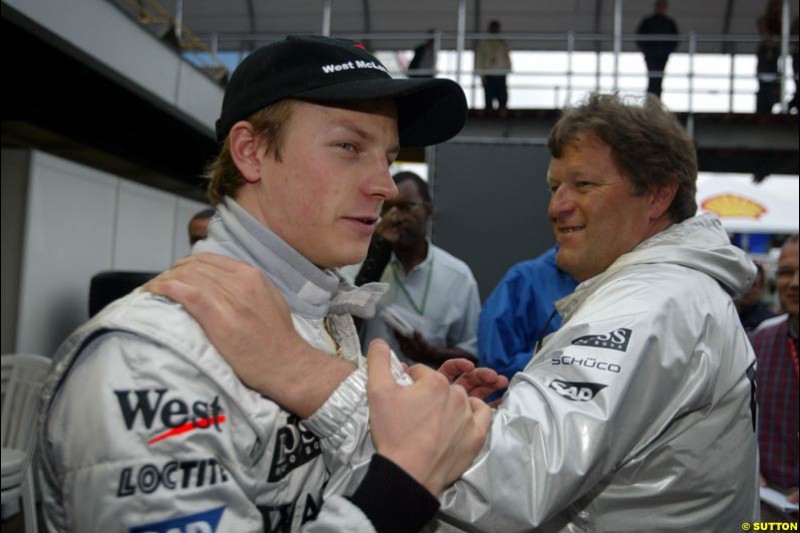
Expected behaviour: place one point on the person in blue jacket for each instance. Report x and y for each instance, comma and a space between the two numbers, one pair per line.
520, 311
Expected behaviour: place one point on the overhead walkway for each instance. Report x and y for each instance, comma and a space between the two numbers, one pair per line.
89, 84
726, 142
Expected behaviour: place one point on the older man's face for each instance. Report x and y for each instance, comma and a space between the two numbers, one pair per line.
786, 278
595, 216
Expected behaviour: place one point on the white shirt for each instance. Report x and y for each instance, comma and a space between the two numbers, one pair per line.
450, 312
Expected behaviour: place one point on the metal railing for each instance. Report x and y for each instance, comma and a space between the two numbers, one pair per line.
204, 51
606, 73
151, 14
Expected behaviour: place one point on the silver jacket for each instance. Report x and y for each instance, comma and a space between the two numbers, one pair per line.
638, 414
147, 428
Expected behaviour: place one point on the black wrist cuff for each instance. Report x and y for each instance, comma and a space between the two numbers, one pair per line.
393, 500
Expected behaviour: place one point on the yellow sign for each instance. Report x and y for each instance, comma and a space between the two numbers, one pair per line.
733, 205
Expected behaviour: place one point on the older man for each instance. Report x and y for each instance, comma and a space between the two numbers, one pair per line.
642, 406
775, 345
147, 428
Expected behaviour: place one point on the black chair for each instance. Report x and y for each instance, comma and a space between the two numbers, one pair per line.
112, 285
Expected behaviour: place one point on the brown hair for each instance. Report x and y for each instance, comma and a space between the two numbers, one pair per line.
223, 175
648, 144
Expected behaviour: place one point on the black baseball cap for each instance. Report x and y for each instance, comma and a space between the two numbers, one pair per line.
326, 70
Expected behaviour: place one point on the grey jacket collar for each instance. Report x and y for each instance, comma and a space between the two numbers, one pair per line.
309, 290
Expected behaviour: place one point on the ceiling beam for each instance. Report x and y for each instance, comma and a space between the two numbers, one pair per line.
367, 16
251, 26
728, 47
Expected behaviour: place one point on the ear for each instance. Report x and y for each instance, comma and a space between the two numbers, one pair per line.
245, 147
661, 200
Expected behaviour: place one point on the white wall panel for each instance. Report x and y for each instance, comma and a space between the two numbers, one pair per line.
69, 236
145, 228
78, 222
14, 198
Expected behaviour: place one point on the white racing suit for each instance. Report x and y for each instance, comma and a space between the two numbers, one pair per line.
637, 415
146, 428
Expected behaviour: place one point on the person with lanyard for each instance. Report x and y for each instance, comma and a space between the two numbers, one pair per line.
775, 346
432, 293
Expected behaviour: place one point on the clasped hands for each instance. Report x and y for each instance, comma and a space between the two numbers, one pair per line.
432, 429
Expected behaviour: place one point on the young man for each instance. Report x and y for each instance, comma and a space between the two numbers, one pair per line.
431, 290
146, 427
775, 345
641, 405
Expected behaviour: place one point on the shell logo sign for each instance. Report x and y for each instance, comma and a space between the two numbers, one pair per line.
733, 205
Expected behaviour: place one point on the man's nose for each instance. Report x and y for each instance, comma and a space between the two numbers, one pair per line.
380, 182
561, 203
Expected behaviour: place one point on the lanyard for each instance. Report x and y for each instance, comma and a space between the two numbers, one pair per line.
538, 345
793, 353
419, 309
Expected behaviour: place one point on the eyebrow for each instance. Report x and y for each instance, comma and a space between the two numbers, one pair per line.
350, 125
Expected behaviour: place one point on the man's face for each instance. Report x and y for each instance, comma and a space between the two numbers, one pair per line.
325, 195
786, 278
408, 213
595, 217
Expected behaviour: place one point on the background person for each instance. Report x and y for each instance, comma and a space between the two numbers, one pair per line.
751, 308
430, 289
767, 55
423, 64
493, 60
775, 345
198, 226
520, 312
656, 53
